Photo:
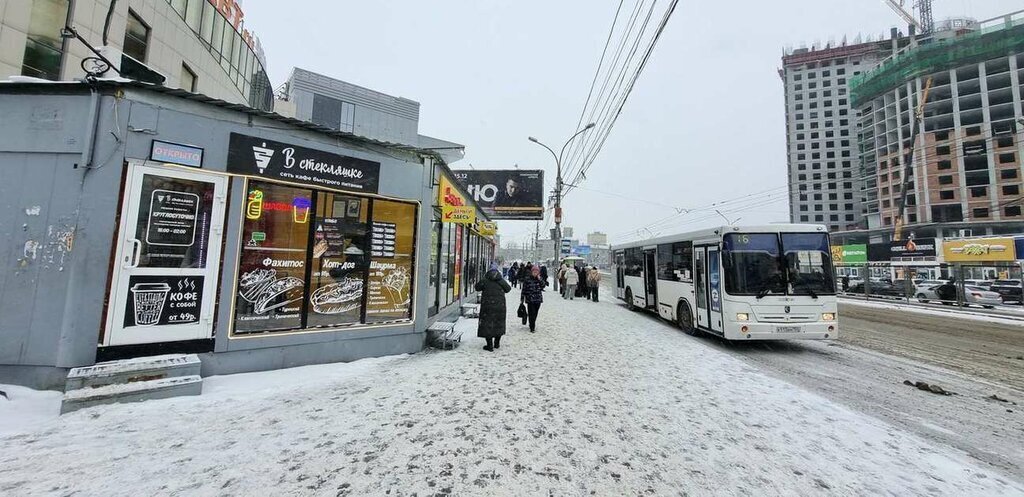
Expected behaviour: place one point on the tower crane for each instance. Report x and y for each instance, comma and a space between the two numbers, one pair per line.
924, 23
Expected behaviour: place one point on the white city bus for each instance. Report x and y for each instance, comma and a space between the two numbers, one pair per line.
739, 282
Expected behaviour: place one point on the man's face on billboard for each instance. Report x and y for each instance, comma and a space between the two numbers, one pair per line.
511, 187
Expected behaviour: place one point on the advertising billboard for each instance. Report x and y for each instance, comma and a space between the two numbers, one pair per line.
506, 193
921, 247
979, 250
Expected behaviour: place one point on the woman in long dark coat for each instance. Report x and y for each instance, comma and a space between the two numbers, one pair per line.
492, 307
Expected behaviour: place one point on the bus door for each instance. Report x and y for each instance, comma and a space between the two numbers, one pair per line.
700, 286
650, 278
715, 288
620, 275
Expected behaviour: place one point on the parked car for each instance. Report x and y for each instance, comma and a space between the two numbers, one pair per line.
982, 283
883, 288
1009, 290
926, 292
975, 295
980, 296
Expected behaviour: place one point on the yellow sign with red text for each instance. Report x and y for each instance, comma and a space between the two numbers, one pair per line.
454, 207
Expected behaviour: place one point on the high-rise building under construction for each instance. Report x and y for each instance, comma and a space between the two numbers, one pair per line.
851, 111
966, 170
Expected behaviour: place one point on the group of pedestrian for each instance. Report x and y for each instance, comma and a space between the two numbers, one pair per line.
532, 278
579, 281
516, 273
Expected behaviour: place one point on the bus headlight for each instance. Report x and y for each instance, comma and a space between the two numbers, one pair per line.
742, 316
828, 316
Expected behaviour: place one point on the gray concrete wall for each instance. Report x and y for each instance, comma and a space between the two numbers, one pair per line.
59, 226
56, 225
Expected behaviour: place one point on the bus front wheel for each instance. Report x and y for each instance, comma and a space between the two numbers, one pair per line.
685, 320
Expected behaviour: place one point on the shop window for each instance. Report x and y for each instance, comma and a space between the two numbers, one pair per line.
389, 285
313, 259
435, 264
447, 263
341, 255
272, 267
44, 48
136, 37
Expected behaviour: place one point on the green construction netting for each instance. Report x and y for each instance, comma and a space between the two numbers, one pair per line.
936, 56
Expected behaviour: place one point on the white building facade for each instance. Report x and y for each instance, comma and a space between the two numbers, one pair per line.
201, 46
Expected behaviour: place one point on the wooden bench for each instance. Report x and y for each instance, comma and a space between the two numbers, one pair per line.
443, 335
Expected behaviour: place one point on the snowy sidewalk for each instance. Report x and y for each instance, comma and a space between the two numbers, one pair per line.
599, 401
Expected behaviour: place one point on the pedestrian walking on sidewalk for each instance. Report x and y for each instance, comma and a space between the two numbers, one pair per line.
544, 276
581, 286
492, 307
513, 274
561, 277
532, 296
525, 272
593, 282
572, 278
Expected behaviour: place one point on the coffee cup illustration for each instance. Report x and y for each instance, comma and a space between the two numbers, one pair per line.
149, 301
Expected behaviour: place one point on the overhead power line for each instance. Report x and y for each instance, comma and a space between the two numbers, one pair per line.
602, 135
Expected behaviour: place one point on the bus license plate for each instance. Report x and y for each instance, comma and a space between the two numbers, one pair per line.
788, 329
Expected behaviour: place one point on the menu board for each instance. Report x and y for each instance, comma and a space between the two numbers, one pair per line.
389, 292
329, 237
162, 300
271, 287
383, 239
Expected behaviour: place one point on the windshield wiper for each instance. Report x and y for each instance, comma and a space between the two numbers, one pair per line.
810, 291
764, 291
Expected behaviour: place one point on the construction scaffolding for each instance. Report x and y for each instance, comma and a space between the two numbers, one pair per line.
937, 55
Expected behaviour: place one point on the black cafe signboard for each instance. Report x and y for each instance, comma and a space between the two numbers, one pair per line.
262, 158
920, 247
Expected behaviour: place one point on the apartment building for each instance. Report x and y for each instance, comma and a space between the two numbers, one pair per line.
821, 132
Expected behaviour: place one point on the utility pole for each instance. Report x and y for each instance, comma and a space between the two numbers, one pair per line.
558, 191
536, 238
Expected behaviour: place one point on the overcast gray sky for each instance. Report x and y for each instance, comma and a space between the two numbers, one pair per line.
704, 123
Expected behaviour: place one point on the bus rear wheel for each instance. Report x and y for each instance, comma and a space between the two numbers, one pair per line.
685, 320
629, 300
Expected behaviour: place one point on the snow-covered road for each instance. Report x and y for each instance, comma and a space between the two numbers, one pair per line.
600, 401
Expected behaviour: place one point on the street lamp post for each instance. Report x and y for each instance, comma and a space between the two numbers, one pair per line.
558, 190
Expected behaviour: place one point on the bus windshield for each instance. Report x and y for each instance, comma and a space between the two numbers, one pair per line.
752, 264
764, 263
807, 257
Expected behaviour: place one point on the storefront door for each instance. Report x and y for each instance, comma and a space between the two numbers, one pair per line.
167, 256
